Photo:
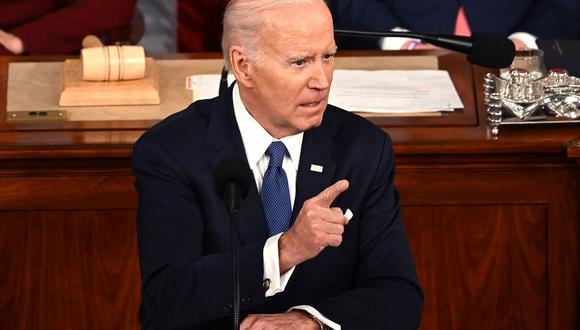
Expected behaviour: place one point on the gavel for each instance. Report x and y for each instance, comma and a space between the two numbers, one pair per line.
111, 63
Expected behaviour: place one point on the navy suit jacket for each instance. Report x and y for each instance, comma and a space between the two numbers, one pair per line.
546, 19
368, 282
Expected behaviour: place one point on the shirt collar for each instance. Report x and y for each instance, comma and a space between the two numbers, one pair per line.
256, 139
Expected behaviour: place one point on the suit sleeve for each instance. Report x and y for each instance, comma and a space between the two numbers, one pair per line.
386, 294
552, 19
365, 15
182, 285
61, 31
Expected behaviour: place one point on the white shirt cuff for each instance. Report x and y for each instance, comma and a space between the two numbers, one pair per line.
312, 311
528, 39
270, 255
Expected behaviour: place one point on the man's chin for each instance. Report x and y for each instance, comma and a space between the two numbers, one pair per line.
313, 122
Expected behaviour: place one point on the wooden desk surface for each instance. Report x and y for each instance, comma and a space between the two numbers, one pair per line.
459, 132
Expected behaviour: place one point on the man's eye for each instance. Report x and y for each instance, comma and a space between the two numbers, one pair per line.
327, 57
299, 62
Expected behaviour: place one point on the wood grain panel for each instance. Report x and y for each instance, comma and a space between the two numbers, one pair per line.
564, 249
484, 184
535, 184
67, 192
68, 270
481, 267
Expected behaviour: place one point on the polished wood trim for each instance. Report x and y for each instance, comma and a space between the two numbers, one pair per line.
573, 150
411, 135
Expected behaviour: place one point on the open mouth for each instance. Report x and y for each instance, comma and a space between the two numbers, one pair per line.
311, 105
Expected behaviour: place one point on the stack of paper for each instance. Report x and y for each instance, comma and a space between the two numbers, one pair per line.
374, 91
394, 91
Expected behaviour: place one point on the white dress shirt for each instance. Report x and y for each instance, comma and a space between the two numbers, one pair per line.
256, 141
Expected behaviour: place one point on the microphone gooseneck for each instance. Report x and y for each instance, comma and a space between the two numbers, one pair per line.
232, 181
485, 49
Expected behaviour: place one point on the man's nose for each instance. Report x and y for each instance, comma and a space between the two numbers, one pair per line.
320, 76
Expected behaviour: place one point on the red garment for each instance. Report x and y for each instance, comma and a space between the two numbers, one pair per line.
48, 27
461, 24
199, 25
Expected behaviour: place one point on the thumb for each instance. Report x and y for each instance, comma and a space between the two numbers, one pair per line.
328, 195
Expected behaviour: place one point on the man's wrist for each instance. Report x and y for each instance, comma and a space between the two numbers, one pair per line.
321, 325
321, 321
286, 256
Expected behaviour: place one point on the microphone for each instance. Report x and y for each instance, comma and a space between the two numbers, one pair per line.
223, 89
232, 180
482, 48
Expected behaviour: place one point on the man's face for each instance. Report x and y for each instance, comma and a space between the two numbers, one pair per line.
290, 83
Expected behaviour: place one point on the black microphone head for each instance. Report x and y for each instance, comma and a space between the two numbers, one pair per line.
491, 50
232, 170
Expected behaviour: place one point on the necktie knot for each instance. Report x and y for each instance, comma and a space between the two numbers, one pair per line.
276, 151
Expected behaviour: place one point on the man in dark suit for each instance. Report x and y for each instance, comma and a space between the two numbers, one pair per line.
305, 262
547, 19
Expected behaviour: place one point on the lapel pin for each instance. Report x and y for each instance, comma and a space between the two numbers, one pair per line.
316, 168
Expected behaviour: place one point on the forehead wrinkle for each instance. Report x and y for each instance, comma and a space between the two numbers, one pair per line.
288, 32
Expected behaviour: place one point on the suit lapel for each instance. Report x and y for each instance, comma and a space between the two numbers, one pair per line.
223, 135
316, 168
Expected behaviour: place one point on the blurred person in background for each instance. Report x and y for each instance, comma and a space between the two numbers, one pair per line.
57, 27
521, 20
200, 25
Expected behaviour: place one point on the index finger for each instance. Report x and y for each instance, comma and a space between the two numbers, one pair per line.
328, 195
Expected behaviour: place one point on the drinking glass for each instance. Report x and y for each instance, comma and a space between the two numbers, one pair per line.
530, 60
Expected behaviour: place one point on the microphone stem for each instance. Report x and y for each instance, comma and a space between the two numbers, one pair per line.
459, 44
235, 266
379, 34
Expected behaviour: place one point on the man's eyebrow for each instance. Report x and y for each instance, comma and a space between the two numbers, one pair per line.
309, 55
300, 57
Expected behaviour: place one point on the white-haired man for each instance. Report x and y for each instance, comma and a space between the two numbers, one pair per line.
304, 265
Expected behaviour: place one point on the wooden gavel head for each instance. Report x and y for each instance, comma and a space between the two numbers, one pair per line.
111, 63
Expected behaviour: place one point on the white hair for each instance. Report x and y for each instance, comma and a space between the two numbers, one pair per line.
243, 22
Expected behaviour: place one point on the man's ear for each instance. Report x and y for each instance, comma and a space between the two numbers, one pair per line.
241, 66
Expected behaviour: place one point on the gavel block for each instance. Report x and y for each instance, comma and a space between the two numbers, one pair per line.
76, 91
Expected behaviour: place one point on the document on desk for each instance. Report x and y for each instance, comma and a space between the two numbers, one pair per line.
371, 91
394, 91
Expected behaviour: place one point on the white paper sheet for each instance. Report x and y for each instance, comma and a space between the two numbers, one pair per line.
394, 91
376, 91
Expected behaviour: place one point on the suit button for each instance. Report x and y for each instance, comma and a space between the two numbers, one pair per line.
266, 283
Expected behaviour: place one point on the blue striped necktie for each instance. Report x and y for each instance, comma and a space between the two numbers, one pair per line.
275, 194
